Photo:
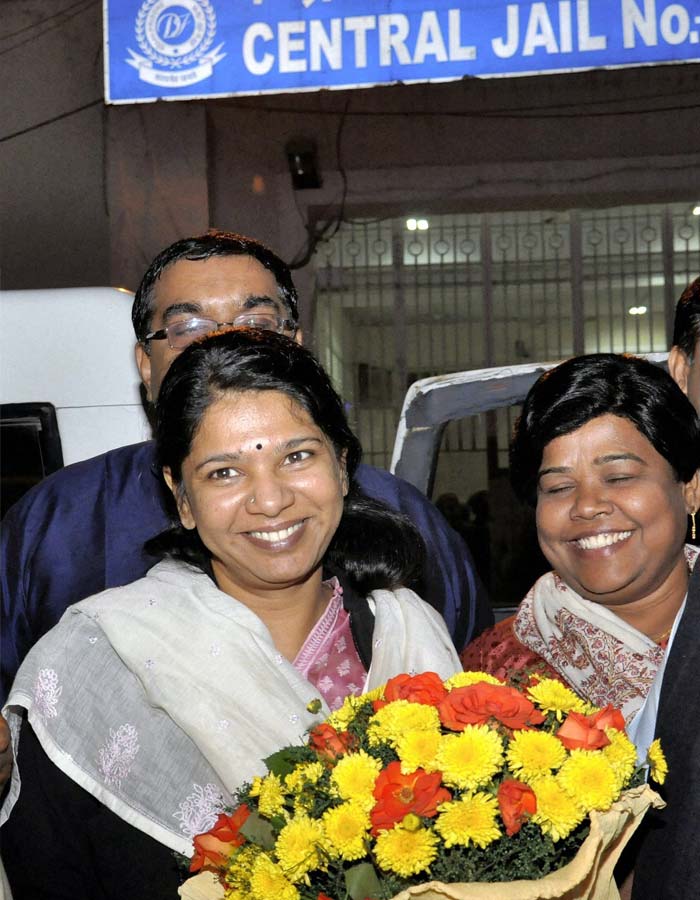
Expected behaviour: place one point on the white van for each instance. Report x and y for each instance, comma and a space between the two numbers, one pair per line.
69, 386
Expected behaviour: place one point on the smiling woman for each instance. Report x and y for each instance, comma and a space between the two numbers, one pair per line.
606, 449
265, 515
278, 595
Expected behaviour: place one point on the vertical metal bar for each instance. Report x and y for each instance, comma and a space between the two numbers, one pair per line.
487, 281
456, 305
623, 281
520, 284
596, 303
636, 279
400, 324
578, 330
668, 269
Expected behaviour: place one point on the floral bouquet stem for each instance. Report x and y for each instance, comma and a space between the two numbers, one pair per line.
589, 875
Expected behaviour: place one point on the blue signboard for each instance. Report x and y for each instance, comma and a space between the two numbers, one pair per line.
184, 49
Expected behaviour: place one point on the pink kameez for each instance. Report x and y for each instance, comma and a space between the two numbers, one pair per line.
329, 658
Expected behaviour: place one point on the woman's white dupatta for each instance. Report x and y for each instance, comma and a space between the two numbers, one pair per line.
162, 697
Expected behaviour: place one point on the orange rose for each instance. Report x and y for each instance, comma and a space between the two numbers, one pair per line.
329, 743
517, 801
213, 848
398, 795
608, 717
579, 733
425, 688
475, 704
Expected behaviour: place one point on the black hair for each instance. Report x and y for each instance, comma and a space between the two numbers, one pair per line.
585, 387
686, 324
374, 546
204, 246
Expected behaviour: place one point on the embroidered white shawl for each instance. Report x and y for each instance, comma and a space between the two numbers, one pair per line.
162, 697
602, 657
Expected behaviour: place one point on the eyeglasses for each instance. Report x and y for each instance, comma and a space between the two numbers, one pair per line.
181, 334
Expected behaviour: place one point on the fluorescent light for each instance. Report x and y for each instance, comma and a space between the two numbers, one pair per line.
696, 210
411, 224
637, 310
422, 224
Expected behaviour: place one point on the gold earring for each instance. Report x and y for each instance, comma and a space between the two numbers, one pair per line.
692, 526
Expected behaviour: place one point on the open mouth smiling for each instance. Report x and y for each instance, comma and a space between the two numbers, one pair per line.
275, 537
598, 541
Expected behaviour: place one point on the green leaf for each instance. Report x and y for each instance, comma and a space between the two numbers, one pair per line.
362, 882
258, 831
282, 762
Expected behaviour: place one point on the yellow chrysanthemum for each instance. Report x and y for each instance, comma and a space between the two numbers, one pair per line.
462, 679
657, 762
255, 786
396, 719
341, 718
557, 814
418, 750
471, 819
590, 779
470, 759
354, 776
346, 828
271, 796
268, 880
298, 845
375, 694
235, 894
241, 865
551, 695
621, 754
300, 784
406, 852
532, 754
305, 774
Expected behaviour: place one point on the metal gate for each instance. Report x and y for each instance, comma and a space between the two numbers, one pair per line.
402, 299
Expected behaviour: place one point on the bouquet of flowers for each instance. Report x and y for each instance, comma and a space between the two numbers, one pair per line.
463, 781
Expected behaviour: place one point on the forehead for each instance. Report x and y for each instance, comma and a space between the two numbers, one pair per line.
217, 280
253, 417
601, 436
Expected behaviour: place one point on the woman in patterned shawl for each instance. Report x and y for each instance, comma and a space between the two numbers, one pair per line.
278, 595
606, 449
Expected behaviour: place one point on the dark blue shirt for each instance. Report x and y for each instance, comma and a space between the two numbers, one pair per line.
82, 530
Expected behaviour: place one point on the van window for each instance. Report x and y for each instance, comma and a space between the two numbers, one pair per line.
30, 448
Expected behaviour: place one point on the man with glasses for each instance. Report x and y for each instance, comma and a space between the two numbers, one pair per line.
82, 529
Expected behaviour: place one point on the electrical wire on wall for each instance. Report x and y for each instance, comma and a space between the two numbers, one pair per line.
34, 32
321, 230
56, 20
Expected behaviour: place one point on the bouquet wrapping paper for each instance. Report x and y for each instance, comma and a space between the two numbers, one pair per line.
589, 876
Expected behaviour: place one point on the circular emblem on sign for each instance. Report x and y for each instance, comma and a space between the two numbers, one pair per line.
175, 33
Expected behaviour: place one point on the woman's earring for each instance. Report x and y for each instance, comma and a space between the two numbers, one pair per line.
692, 526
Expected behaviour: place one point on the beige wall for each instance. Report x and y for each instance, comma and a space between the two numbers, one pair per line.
54, 227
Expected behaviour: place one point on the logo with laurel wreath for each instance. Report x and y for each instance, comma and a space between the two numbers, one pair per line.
175, 38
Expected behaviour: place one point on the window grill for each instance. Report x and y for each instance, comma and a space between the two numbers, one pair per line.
477, 290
